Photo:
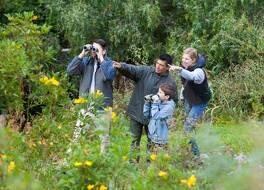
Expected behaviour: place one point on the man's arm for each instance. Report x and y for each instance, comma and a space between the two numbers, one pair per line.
131, 71
76, 66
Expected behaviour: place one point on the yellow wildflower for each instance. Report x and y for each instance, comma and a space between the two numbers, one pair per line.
44, 80
11, 167
98, 93
51, 143
80, 101
192, 181
189, 182
153, 157
125, 158
77, 164
108, 109
59, 127
34, 17
103, 187
163, 174
54, 82
184, 181
113, 116
89, 187
88, 163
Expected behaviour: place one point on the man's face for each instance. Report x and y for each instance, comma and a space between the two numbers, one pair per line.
161, 67
101, 51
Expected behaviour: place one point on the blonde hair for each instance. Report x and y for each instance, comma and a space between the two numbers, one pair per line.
192, 52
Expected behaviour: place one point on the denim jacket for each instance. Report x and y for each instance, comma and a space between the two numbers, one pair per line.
159, 113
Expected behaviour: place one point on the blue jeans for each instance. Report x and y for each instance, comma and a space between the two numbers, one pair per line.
193, 112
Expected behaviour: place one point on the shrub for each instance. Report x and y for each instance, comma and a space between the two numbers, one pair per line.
22, 53
239, 92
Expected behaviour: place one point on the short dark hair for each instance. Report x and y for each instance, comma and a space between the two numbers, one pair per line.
168, 89
101, 42
166, 57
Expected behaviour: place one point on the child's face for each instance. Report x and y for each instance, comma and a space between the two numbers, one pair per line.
187, 61
162, 95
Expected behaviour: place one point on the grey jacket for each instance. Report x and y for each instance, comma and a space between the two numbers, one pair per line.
147, 81
103, 77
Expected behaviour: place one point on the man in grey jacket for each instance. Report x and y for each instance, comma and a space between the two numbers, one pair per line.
97, 71
147, 81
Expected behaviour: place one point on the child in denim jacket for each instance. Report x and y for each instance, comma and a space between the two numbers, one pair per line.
159, 109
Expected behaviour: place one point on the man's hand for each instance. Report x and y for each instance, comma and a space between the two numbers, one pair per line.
116, 65
82, 54
100, 55
175, 68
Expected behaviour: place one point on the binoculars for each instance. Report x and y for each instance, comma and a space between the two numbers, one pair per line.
89, 47
151, 97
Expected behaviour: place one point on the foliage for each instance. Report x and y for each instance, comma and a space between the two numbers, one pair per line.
59, 148
43, 151
238, 93
127, 25
12, 62
214, 30
13, 173
22, 52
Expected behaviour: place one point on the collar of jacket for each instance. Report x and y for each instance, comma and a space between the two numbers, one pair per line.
193, 67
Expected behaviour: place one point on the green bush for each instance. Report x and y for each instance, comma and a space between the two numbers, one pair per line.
239, 92
14, 67
23, 55
127, 26
214, 30
14, 173
236, 42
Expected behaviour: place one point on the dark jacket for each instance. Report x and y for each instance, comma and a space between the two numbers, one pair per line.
196, 93
103, 77
147, 81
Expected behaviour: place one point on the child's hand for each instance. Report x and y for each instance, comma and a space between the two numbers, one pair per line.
155, 98
175, 68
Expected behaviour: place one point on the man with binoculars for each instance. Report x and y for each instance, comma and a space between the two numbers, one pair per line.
96, 71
